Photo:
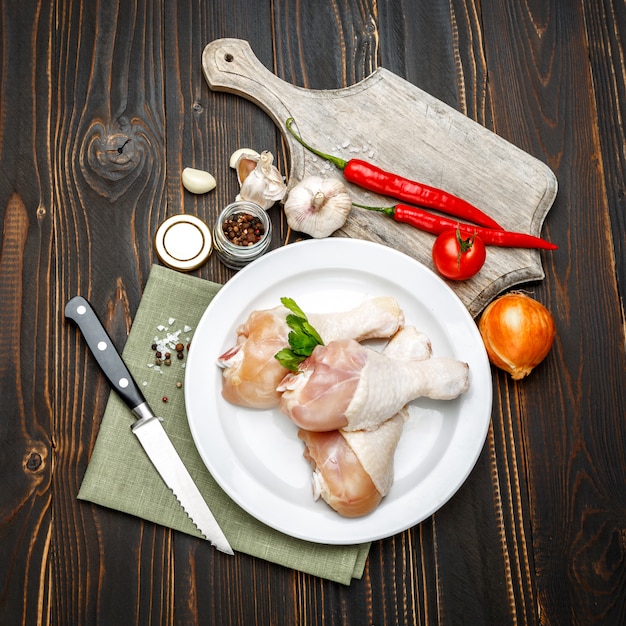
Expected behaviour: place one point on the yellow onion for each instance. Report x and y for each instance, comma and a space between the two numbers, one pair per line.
518, 333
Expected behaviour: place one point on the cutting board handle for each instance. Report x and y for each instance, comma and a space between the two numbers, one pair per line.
230, 65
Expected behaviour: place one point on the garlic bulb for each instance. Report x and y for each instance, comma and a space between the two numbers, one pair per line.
318, 206
260, 180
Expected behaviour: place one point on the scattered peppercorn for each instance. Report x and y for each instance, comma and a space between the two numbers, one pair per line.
166, 346
164, 399
243, 229
179, 384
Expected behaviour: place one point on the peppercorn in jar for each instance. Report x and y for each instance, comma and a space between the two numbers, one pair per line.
242, 233
243, 229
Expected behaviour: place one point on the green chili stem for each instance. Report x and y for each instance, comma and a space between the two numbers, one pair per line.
387, 210
340, 163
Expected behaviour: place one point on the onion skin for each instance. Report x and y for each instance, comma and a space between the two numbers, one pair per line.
518, 332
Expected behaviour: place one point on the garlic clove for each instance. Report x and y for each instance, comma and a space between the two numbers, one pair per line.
318, 206
263, 184
197, 181
241, 152
244, 166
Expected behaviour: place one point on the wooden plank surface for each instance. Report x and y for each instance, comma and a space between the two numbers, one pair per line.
102, 106
584, 443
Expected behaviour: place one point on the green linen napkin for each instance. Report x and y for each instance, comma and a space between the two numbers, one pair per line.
120, 475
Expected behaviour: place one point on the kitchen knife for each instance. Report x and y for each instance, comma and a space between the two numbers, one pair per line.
148, 427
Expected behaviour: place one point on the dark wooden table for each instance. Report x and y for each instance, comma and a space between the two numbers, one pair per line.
103, 104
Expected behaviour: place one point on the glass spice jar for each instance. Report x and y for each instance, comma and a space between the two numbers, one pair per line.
242, 233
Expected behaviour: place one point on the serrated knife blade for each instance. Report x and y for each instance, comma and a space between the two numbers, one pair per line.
148, 427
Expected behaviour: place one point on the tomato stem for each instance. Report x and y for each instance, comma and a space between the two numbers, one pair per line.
465, 245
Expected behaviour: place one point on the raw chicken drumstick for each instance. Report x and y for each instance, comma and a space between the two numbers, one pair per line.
250, 371
346, 385
353, 471
339, 461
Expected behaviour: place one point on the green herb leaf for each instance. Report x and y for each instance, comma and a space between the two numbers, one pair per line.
288, 359
302, 344
290, 304
302, 338
313, 334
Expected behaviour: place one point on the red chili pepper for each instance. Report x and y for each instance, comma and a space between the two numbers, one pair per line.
373, 178
436, 224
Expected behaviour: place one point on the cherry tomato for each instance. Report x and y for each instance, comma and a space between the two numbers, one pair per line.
457, 258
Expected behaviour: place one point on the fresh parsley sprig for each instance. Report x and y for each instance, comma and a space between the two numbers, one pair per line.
302, 338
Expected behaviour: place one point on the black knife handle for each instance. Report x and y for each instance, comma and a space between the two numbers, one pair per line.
79, 311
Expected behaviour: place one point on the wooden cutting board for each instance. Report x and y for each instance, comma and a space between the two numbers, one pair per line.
388, 121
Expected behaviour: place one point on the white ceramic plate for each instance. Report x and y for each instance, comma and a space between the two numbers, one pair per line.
256, 457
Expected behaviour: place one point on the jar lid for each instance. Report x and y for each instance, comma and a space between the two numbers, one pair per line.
183, 242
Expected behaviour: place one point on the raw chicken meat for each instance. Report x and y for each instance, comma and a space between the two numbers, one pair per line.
409, 343
251, 373
353, 471
344, 385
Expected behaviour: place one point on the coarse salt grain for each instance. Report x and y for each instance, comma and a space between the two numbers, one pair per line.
168, 342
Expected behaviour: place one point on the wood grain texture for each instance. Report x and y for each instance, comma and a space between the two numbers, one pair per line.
108, 156
27, 432
102, 106
606, 24
577, 518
